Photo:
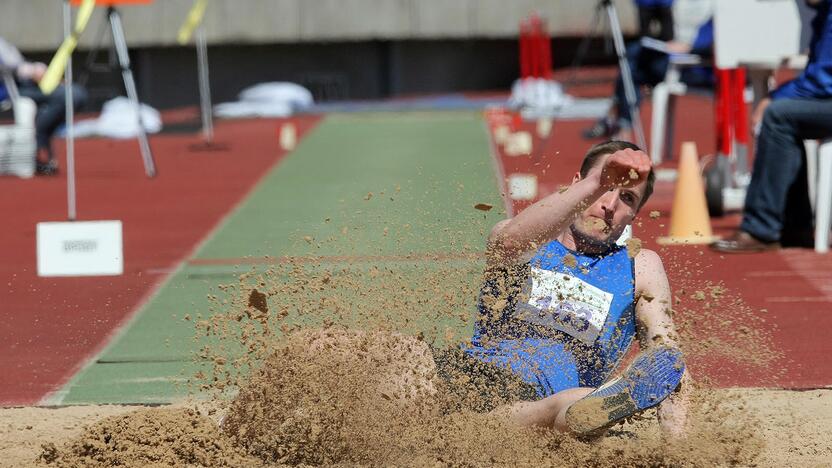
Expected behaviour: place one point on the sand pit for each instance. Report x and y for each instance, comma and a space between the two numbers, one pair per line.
344, 397
795, 430
304, 368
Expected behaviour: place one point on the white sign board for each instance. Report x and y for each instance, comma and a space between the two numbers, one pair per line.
80, 248
755, 32
522, 186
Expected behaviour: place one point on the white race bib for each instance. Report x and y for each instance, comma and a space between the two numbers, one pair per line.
566, 303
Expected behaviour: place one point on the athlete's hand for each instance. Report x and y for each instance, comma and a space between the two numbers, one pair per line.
625, 168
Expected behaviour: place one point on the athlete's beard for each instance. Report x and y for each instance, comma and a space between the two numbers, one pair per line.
587, 243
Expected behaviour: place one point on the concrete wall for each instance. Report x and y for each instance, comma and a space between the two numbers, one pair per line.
339, 49
36, 25
166, 76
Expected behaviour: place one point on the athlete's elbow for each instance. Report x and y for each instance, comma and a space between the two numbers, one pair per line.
503, 244
503, 248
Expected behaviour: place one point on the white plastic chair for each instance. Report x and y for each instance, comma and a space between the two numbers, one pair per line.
17, 142
819, 169
663, 98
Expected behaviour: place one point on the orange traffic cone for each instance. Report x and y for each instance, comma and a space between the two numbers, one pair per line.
689, 221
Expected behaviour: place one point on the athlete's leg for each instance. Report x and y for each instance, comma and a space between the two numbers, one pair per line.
651, 378
548, 412
653, 375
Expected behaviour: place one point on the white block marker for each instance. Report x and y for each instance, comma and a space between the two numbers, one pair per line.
288, 136
501, 134
80, 248
544, 127
519, 144
522, 186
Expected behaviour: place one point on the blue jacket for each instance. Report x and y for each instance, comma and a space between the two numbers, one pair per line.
703, 44
561, 326
816, 80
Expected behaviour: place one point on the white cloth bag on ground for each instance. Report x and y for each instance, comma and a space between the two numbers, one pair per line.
273, 99
118, 120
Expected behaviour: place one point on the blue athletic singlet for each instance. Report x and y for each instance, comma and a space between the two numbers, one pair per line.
561, 321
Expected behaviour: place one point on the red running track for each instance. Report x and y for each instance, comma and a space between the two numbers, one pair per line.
50, 326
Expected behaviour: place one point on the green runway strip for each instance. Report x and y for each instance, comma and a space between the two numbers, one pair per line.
375, 187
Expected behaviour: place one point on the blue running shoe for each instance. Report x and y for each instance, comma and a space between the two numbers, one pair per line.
651, 378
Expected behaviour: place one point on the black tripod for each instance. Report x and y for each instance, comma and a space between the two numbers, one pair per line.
123, 58
607, 7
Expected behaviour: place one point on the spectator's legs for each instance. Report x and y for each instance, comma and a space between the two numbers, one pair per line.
656, 22
698, 77
647, 67
52, 113
777, 201
30, 90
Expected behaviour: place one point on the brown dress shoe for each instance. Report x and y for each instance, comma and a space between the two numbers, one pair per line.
743, 242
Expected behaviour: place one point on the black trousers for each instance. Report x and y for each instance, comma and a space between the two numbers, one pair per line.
656, 22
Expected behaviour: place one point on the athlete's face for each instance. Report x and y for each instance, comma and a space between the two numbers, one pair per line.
605, 220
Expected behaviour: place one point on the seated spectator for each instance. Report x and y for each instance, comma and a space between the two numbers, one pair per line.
777, 207
649, 66
51, 108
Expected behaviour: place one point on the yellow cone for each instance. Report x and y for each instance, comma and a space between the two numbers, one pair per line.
689, 220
